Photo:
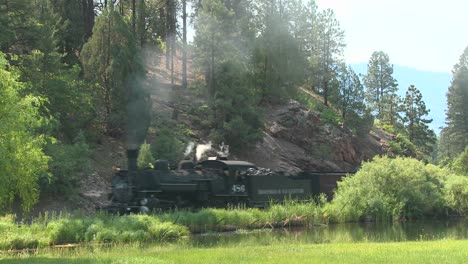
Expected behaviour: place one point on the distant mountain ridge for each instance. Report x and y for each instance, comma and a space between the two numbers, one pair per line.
433, 86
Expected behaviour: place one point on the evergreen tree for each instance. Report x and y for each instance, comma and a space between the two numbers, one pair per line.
350, 100
278, 63
327, 53
19, 26
219, 51
457, 107
350, 92
214, 40
110, 60
381, 87
417, 129
73, 21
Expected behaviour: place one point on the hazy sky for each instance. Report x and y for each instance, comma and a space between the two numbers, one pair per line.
428, 35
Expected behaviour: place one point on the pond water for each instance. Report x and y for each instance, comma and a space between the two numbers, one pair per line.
340, 233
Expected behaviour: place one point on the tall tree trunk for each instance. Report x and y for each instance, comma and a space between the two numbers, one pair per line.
173, 51
134, 16
211, 81
88, 16
168, 32
141, 22
184, 47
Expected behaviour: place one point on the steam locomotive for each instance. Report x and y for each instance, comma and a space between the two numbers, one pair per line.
213, 182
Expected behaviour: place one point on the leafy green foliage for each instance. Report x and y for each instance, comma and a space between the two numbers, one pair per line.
400, 188
68, 164
456, 194
328, 114
145, 157
69, 100
167, 146
401, 146
460, 165
22, 159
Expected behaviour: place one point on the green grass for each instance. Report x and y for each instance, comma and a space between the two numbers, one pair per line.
100, 228
442, 251
48, 230
287, 213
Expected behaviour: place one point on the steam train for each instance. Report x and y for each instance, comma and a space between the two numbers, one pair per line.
213, 182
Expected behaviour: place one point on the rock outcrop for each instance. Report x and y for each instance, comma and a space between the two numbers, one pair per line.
296, 139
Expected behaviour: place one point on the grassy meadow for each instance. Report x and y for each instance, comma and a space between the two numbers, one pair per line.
441, 251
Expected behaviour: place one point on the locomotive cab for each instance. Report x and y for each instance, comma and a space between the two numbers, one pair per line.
232, 183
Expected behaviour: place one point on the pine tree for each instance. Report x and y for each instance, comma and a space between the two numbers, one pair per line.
457, 107
215, 39
72, 22
111, 61
381, 87
417, 129
350, 100
327, 52
219, 52
278, 63
350, 91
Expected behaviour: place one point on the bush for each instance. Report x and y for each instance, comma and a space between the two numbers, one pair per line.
68, 164
456, 194
167, 146
385, 189
401, 146
361, 123
460, 165
145, 157
328, 114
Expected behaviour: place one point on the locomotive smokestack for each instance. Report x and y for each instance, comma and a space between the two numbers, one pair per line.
132, 151
132, 155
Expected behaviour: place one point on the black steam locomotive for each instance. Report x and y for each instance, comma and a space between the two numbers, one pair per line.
215, 183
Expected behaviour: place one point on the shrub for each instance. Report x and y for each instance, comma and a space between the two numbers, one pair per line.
145, 157
401, 146
456, 194
387, 189
460, 165
69, 162
167, 146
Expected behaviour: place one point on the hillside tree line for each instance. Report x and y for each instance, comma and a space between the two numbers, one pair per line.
73, 71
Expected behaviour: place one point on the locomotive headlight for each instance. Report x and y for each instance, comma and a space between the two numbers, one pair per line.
143, 201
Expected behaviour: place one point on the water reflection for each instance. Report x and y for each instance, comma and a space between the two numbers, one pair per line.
339, 233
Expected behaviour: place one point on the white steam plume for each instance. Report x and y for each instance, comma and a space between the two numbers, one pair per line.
202, 148
189, 148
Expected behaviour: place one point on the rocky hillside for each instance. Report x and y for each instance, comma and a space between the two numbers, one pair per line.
296, 139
